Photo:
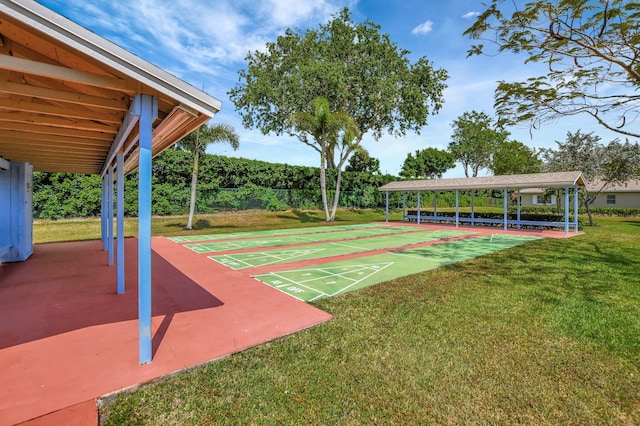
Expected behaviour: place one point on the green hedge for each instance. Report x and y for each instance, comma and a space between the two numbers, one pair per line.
223, 183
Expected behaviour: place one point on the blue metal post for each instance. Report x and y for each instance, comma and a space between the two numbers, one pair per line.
120, 220
110, 214
505, 204
566, 210
404, 205
457, 206
418, 208
148, 111
103, 213
575, 207
473, 202
387, 204
435, 206
518, 208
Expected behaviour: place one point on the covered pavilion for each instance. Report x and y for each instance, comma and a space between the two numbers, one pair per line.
568, 181
71, 101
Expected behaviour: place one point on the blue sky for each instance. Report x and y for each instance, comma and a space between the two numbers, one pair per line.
205, 43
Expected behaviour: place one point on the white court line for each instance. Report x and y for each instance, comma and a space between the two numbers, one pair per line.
233, 259
294, 283
362, 279
414, 257
348, 246
192, 247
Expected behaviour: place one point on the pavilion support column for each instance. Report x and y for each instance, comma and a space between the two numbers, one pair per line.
566, 210
103, 213
435, 206
473, 202
575, 207
457, 207
518, 208
418, 220
404, 205
505, 205
148, 111
120, 221
387, 206
110, 214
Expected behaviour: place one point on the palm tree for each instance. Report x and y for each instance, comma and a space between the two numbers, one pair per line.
328, 130
196, 142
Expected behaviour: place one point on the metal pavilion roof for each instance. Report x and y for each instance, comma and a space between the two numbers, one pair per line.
534, 180
65, 94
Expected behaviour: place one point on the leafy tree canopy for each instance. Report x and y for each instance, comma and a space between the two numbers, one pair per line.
514, 157
428, 163
356, 68
591, 49
615, 163
362, 162
474, 140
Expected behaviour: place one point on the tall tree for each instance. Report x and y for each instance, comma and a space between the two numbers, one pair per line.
357, 69
322, 130
428, 163
592, 51
196, 142
362, 162
514, 157
474, 140
615, 163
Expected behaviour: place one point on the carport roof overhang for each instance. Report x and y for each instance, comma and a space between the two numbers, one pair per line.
66, 95
534, 180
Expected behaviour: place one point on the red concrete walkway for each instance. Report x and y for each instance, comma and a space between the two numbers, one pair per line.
66, 338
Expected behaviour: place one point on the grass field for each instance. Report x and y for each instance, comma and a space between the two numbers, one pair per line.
543, 333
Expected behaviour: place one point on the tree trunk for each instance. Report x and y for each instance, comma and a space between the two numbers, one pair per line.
587, 205
194, 183
323, 186
337, 196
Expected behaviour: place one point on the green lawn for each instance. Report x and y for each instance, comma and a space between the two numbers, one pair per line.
543, 333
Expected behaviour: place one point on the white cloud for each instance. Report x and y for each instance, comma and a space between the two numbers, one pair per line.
286, 13
423, 28
470, 15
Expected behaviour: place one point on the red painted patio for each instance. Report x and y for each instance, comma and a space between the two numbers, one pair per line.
67, 338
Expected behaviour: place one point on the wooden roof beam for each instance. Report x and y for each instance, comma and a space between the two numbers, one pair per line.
62, 96
28, 66
49, 130
38, 108
57, 122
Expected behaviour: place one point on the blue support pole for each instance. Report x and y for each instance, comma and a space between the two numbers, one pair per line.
404, 205
518, 208
457, 207
566, 210
148, 111
473, 202
103, 213
120, 220
505, 205
435, 206
387, 206
575, 207
418, 208
110, 214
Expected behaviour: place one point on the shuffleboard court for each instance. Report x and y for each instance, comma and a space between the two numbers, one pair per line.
331, 279
316, 251
284, 240
273, 232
